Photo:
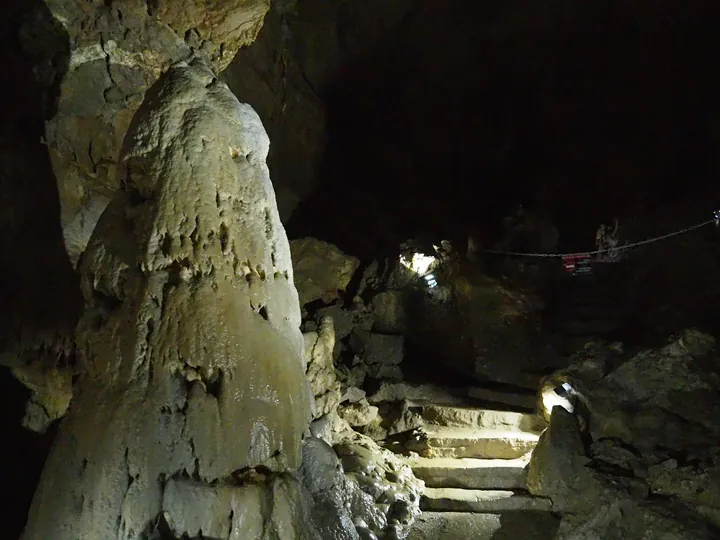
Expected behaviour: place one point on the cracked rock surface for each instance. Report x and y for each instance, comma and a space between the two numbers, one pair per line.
191, 353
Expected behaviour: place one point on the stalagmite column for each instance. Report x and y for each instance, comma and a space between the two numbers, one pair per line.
190, 342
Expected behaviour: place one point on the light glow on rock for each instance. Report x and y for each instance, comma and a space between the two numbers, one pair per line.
418, 263
558, 397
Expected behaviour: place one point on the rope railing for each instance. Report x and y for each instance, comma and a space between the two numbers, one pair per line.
715, 220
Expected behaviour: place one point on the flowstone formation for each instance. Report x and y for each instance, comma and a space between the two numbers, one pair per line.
192, 402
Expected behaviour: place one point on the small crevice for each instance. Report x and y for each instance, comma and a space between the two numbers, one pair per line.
151, 6
166, 244
264, 313
213, 383
195, 234
224, 235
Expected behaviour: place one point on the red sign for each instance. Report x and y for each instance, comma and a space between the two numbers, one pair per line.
579, 263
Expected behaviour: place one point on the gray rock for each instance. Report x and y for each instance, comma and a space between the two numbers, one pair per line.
696, 485
320, 367
359, 413
321, 269
384, 493
322, 475
401, 391
51, 394
353, 394
389, 311
559, 470
342, 318
631, 520
386, 350
660, 399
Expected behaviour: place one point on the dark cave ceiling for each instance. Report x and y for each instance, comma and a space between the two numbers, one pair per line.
442, 117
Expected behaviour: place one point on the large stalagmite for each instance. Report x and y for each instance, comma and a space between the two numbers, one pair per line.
190, 341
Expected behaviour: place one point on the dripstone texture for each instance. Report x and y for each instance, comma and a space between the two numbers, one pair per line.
190, 343
113, 52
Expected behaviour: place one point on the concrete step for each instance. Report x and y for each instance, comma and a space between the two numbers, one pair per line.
524, 400
442, 415
465, 526
483, 501
471, 473
456, 442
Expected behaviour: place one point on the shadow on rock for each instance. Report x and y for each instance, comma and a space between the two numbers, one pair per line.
39, 292
527, 525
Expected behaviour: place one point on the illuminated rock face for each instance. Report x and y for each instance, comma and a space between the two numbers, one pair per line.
190, 341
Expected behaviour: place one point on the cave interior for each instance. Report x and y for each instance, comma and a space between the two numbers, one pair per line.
430, 122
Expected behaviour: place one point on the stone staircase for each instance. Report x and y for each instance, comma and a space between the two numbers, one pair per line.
473, 461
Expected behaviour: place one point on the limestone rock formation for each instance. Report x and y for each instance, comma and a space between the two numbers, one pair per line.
323, 476
647, 464
52, 392
321, 269
113, 52
559, 469
359, 413
380, 355
661, 398
389, 310
320, 369
190, 344
384, 495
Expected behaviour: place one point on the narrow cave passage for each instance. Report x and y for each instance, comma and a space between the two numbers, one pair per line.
580, 115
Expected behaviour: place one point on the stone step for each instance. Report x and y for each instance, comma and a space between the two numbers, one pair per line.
484, 501
451, 416
471, 473
525, 400
465, 526
457, 442
425, 393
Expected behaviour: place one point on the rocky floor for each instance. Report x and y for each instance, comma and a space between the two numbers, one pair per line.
473, 459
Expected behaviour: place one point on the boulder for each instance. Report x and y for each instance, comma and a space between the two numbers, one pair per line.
358, 414
381, 354
322, 475
321, 269
664, 398
560, 470
697, 485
